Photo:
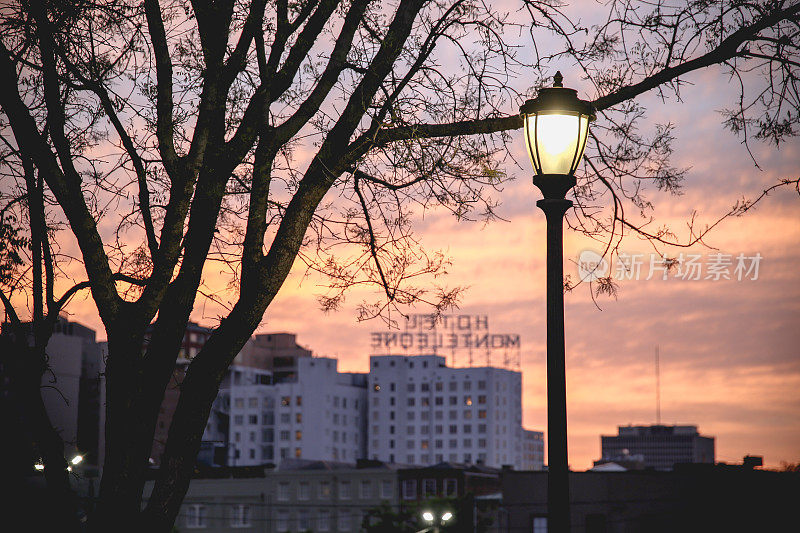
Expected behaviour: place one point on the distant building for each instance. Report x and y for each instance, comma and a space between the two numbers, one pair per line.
270, 352
691, 498
328, 496
73, 389
315, 412
532, 450
277, 352
422, 412
446, 480
661, 447
319, 496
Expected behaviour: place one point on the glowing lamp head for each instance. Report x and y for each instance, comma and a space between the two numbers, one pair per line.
77, 460
447, 516
427, 516
556, 127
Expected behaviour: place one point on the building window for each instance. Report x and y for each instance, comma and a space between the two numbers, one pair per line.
467, 385
481, 385
285, 434
238, 420
467, 414
428, 487
482, 413
450, 487
240, 516
303, 523
298, 435
366, 490
282, 523
467, 443
238, 403
439, 386
324, 490
298, 453
283, 492
409, 489
344, 520
286, 401
196, 516
411, 402
424, 402
324, 520
284, 418
252, 419
344, 490
298, 418
481, 428
439, 400
438, 444
467, 400
453, 386
423, 445
453, 400
252, 402
539, 524
386, 488
425, 387
299, 401
467, 428
303, 492
411, 387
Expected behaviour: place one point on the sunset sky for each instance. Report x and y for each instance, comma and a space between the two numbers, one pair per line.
730, 350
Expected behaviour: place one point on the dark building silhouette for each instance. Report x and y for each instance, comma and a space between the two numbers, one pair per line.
691, 498
661, 447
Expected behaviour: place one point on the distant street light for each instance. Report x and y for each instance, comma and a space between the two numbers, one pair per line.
430, 517
78, 459
556, 128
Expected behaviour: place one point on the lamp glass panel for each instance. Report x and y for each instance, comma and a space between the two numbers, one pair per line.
555, 141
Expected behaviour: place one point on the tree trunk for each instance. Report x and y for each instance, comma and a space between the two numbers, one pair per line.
198, 392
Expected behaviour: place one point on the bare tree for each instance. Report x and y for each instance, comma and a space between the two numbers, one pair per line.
211, 132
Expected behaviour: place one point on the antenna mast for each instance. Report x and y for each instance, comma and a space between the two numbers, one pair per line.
658, 390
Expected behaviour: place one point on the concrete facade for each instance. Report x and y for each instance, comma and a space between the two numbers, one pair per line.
317, 413
318, 496
422, 412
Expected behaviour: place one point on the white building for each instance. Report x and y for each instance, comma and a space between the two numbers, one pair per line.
318, 413
532, 450
423, 412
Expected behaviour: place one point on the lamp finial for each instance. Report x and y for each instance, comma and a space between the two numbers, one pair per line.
558, 79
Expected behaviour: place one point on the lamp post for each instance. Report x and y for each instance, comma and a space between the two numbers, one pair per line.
556, 128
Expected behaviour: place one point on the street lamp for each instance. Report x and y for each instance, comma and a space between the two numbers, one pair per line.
556, 128
435, 520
